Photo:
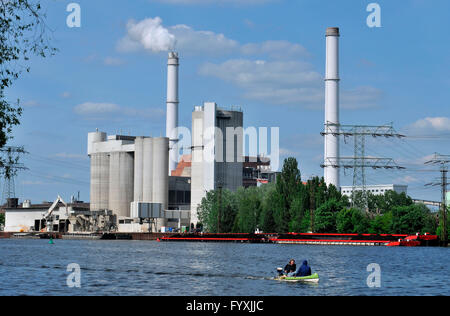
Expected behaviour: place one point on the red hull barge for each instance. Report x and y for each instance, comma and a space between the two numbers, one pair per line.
312, 239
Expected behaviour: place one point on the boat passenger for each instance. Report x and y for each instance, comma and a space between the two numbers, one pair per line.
290, 268
304, 270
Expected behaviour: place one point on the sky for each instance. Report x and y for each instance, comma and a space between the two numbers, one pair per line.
266, 56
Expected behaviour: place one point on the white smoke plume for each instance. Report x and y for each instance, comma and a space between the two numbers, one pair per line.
149, 34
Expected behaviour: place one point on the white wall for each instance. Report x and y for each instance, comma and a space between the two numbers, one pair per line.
23, 219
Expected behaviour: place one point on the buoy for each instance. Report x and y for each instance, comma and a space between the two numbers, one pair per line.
51, 241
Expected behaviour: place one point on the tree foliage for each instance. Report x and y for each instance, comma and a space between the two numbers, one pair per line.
23, 34
291, 205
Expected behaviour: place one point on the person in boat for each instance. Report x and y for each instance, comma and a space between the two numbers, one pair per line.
304, 270
290, 268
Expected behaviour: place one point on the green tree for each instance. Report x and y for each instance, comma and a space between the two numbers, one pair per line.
380, 204
249, 204
22, 35
352, 221
267, 218
2, 219
360, 221
217, 211
344, 223
439, 224
410, 219
300, 212
287, 186
381, 224
325, 216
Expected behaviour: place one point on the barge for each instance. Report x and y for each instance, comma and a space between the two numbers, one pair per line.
312, 239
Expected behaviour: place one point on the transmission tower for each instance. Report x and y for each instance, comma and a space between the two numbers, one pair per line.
360, 162
442, 161
10, 165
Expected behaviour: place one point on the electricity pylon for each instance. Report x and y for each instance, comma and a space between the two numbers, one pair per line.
360, 162
10, 165
443, 161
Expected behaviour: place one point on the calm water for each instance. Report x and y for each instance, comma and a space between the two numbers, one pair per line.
33, 267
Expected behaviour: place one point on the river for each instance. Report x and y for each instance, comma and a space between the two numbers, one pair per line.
34, 267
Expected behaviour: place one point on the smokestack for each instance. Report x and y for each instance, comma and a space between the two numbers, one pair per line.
172, 110
331, 154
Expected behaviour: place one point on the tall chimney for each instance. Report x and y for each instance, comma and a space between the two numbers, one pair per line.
331, 154
172, 110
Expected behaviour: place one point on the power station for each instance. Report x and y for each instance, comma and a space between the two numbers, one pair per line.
143, 185
132, 175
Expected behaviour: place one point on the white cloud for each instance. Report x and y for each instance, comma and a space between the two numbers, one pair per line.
275, 49
30, 104
286, 82
93, 110
407, 180
190, 41
66, 95
112, 61
363, 97
431, 124
284, 152
151, 36
277, 82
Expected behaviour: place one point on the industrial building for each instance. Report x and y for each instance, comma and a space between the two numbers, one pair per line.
141, 179
257, 171
376, 189
217, 151
27, 217
142, 184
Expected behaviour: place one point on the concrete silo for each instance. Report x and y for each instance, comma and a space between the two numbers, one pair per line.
147, 171
160, 176
121, 182
138, 168
99, 186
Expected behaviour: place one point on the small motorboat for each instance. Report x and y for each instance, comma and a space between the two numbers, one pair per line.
313, 278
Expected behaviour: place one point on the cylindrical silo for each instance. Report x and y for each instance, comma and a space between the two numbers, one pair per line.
95, 137
331, 152
99, 181
121, 182
160, 175
147, 171
138, 169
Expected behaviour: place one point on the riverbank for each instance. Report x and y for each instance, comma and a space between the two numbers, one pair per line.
289, 238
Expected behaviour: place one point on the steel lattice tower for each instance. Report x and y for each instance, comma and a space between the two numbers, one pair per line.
359, 171
9, 167
360, 162
443, 161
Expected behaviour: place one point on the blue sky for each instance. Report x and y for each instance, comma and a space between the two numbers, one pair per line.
267, 56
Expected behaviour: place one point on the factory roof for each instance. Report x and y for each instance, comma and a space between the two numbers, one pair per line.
44, 205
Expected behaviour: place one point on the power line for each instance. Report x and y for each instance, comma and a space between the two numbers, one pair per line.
10, 165
442, 161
